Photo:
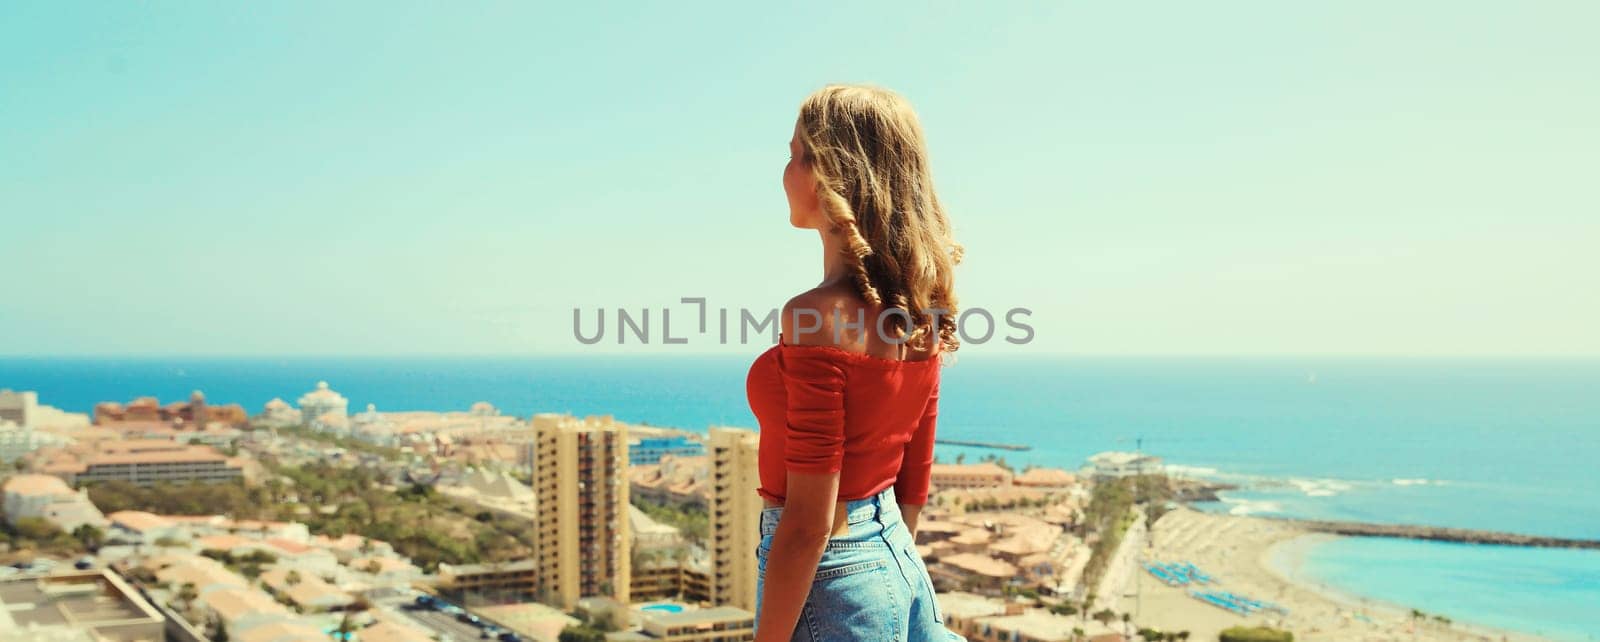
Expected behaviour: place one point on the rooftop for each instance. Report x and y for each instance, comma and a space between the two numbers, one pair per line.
34, 485
984, 468
94, 601
233, 603
1045, 477
282, 631
980, 565
139, 521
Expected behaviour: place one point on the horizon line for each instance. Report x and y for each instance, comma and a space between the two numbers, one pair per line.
1009, 354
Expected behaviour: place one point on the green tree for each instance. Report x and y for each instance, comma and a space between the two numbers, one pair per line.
581, 633
37, 529
90, 536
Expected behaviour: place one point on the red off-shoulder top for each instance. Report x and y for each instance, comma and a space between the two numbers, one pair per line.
823, 410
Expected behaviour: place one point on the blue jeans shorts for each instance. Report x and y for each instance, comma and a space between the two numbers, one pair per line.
870, 585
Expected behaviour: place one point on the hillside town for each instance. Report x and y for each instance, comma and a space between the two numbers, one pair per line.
193, 521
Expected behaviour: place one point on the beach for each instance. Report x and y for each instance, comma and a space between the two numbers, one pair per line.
1258, 558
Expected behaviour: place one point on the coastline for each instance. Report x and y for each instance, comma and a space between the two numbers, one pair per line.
1285, 558
1260, 559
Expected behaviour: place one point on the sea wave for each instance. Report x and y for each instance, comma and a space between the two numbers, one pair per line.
1320, 487
1239, 506
1417, 481
1203, 472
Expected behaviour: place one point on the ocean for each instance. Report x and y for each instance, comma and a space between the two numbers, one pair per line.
1510, 445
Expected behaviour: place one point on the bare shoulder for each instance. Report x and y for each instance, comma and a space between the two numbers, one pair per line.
824, 316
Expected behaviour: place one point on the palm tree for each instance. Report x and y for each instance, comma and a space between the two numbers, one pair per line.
346, 627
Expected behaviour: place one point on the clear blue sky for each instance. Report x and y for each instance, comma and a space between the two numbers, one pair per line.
1256, 179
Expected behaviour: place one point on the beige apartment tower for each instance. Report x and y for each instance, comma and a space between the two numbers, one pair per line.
580, 474
735, 517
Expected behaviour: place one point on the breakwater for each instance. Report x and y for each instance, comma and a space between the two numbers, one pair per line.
1440, 534
982, 444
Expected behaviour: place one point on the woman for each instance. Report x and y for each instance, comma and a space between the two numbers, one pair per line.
847, 400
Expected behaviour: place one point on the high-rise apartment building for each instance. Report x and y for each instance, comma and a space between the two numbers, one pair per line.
735, 514
580, 474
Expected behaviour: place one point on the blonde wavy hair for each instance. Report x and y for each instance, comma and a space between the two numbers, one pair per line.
865, 147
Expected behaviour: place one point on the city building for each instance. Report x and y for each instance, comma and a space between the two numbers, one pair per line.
494, 583
23, 409
393, 628
140, 527
975, 571
530, 620
580, 474
989, 619
481, 435
279, 414
17, 407
676, 479
678, 623
225, 605
649, 450
305, 591
322, 401
195, 413
88, 605
17, 440
735, 516
391, 572
1109, 465
140, 461
659, 557
497, 488
51, 499
955, 476
1049, 478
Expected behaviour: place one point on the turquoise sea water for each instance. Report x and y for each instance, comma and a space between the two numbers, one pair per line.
1553, 593
1495, 444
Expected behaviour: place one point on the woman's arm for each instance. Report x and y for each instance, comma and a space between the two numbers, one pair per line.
813, 455
909, 514
797, 547
916, 463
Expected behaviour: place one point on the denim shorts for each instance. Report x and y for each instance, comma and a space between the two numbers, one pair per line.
870, 585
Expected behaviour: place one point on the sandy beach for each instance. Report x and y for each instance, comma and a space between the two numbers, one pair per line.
1255, 558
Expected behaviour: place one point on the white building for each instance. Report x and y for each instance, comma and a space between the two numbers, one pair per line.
17, 440
372, 427
23, 409
1123, 464
323, 401
140, 527
279, 413
18, 407
49, 498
